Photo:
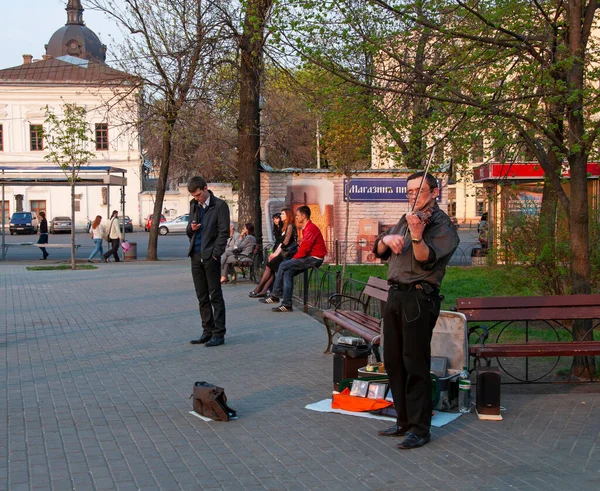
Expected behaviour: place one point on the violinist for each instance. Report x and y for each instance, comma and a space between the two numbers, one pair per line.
419, 248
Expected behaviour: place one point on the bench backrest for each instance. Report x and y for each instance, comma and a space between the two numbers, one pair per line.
551, 307
377, 288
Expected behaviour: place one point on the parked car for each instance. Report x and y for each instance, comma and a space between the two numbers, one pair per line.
174, 226
60, 224
148, 223
126, 221
25, 222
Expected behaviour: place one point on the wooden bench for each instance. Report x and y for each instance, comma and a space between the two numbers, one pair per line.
550, 310
356, 318
247, 265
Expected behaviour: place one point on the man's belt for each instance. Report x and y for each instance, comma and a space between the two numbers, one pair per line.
417, 285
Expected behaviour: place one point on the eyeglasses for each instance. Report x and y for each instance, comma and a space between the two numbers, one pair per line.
414, 192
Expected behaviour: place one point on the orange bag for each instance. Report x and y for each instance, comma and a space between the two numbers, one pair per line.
347, 402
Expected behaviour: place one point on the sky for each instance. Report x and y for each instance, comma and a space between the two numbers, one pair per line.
27, 26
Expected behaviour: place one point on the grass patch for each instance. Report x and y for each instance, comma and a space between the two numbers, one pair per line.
60, 267
361, 272
460, 281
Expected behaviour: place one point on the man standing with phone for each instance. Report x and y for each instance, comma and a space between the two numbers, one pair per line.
208, 231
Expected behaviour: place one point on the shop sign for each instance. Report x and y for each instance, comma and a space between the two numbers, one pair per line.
374, 189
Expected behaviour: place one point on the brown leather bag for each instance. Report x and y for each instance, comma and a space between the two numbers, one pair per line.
210, 401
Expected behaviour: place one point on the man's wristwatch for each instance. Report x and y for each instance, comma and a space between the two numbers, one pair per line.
417, 241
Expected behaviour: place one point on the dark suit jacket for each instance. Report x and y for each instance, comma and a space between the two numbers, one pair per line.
214, 230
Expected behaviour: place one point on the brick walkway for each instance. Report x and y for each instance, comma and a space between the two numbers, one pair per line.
97, 370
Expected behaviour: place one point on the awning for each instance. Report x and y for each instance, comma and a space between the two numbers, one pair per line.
54, 176
520, 171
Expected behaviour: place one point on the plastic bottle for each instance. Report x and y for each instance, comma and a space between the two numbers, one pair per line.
464, 391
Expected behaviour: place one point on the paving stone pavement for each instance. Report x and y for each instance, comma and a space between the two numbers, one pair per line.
97, 373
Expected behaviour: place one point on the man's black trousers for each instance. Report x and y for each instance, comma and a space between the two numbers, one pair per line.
207, 282
408, 323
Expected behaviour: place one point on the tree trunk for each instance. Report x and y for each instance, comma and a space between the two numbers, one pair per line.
578, 216
161, 187
73, 221
248, 124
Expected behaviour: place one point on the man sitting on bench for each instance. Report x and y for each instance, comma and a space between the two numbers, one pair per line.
311, 253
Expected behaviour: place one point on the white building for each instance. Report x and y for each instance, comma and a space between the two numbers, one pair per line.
73, 70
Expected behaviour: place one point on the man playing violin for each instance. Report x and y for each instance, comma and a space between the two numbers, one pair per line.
419, 248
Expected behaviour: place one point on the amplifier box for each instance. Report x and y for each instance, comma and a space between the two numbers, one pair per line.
488, 391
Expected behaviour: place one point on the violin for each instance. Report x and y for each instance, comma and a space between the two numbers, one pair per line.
424, 215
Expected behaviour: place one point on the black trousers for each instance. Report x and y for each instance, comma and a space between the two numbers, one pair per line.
43, 240
207, 283
114, 249
408, 323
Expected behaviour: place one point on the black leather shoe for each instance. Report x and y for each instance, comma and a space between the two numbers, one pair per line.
394, 431
203, 339
414, 441
215, 342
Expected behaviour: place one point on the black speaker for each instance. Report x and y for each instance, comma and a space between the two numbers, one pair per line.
488, 390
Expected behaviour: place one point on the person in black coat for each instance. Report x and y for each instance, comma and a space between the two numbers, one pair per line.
43, 235
208, 231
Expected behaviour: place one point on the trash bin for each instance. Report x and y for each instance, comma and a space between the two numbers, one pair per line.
131, 254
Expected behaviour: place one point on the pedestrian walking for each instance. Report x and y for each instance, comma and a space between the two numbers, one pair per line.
43, 235
114, 238
97, 234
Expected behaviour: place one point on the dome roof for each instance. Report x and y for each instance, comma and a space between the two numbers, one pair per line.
75, 39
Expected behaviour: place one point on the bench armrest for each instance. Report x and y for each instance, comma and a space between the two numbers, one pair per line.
343, 298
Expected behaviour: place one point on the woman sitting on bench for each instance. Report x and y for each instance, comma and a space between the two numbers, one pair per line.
244, 248
285, 250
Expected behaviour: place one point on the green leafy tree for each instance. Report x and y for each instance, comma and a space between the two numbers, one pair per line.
526, 72
68, 140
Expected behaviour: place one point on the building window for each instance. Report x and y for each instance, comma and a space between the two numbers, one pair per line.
481, 201
38, 205
101, 136
477, 149
36, 136
1, 139
452, 202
